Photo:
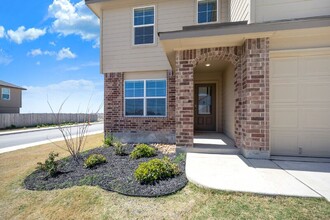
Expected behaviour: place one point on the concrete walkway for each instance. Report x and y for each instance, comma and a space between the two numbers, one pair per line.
236, 173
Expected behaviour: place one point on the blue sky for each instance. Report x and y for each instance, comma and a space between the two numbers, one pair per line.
51, 47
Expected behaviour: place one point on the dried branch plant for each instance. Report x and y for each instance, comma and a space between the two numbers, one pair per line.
74, 140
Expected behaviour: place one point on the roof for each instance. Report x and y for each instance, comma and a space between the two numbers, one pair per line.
231, 28
6, 84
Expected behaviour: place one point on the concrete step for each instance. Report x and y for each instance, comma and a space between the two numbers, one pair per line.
231, 151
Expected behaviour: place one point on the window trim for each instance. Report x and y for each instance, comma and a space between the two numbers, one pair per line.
145, 25
2, 89
145, 97
218, 12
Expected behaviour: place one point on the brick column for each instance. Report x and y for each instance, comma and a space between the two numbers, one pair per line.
255, 98
184, 112
113, 101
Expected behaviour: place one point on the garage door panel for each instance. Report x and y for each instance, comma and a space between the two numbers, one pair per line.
284, 117
284, 67
314, 66
314, 143
286, 142
313, 92
300, 106
314, 118
284, 92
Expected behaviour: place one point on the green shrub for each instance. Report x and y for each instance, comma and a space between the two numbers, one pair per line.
109, 140
94, 159
119, 148
179, 158
143, 150
50, 165
155, 170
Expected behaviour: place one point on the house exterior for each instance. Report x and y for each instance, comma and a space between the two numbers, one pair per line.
11, 97
256, 70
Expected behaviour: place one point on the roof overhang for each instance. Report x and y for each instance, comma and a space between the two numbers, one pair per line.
235, 33
98, 5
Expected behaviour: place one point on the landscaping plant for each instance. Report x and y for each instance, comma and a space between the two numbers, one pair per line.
155, 170
50, 165
119, 148
142, 150
109, 140
94, 159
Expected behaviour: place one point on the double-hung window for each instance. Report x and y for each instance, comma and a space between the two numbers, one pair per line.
144, 25
145, 97
5, 94
207, 11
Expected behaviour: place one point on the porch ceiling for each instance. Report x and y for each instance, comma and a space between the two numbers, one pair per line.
225, 35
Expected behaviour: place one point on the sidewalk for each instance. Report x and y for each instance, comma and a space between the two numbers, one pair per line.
25, 130
236, 173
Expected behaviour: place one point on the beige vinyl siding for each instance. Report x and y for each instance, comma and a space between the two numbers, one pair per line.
229, 102
270, 10
118, 52
239, 10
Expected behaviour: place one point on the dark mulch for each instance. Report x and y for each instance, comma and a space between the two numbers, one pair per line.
115, 175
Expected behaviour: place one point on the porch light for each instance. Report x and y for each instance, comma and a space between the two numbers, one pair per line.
208, 64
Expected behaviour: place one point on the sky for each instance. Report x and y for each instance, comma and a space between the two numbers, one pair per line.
51, 48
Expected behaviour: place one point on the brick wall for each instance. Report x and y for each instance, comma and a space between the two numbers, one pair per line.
115, 121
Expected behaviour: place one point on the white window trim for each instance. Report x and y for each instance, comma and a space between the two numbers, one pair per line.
145, 97
2, 92
218, 12
144, 25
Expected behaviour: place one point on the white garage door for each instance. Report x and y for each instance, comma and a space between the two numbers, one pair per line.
300, 105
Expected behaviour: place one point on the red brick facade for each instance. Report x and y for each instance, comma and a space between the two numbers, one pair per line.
251, 62
115, 121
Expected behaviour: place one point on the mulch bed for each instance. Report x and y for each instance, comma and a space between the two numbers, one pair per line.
115, 175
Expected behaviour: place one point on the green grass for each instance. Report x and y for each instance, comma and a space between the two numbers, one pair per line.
88, 202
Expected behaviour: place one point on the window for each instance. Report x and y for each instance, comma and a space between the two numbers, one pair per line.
145, 97
5, 94
207, 11
144, 25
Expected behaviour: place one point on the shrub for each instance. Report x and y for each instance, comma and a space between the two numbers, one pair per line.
155, 170
109, 140
119, 148
94, 159
179, 158
50, 165
143, 150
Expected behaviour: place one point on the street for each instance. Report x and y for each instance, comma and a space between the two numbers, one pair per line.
31, 138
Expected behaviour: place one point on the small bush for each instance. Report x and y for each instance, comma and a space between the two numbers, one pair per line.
50, 165
119, 148
155, 170
109, 140
143, 150
179, 158
94, 159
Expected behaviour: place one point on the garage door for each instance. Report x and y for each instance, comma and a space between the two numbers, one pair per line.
300, 105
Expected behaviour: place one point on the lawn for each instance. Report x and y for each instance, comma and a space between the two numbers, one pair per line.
87, 202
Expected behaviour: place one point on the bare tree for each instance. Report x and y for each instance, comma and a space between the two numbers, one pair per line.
74, 141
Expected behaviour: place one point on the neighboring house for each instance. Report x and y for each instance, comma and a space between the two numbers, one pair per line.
256, 70
11, 97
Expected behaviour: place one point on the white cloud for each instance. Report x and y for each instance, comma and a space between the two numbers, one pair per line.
21, 34
60, 55
79, 92
52, 43
88, 64
5, 59
2, 32
74, 19
38, 63
65, 53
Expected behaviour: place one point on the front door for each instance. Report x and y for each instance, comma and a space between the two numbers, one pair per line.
205, 115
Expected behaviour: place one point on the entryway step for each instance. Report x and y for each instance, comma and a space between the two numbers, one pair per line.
231, 151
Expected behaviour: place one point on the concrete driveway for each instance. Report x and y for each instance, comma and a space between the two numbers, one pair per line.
270, 177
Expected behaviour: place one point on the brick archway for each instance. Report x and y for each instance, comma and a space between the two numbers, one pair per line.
251, 62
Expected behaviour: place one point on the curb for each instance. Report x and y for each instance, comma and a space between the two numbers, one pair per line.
40, 129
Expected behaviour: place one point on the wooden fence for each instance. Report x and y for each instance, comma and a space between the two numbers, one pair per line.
29, 120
